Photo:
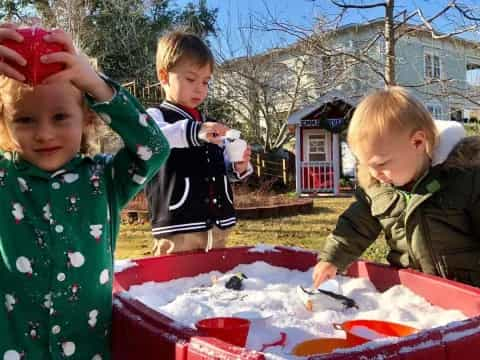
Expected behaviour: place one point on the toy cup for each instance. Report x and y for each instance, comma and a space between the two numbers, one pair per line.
32, 48
232, 134
256, 318
235, 149
229, 329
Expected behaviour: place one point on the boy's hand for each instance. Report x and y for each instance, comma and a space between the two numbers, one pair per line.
213, 132
242, 166
323, 271
7, 31
78, 70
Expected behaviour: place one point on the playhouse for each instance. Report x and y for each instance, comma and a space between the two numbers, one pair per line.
317, 128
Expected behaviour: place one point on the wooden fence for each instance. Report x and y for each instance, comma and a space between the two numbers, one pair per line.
266, 166
148, 94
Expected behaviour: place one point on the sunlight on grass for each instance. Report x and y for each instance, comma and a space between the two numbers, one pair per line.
306, 230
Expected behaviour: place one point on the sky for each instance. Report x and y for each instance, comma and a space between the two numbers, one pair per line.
235, 14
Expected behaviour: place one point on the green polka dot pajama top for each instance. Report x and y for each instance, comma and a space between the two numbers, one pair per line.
57, 238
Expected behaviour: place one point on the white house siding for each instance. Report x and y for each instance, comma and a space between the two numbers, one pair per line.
410, 68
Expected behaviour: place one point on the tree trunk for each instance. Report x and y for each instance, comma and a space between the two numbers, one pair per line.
389, 43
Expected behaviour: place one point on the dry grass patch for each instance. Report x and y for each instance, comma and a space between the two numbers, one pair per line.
305, 230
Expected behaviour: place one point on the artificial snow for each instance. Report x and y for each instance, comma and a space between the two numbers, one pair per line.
269, 296
263, 248
121, 265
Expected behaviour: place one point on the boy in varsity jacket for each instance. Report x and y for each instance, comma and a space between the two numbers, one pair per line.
190, 199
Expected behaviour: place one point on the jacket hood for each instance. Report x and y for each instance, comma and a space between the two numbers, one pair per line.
464, 155
454, 150
450, 133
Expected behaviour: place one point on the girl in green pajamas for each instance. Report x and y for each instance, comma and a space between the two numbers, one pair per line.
59, 208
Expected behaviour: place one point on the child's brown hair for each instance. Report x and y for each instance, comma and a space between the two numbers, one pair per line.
11, 91
178, 46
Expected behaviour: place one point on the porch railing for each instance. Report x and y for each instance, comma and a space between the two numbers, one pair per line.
316, 176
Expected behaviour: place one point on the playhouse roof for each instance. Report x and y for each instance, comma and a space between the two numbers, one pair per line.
331, 96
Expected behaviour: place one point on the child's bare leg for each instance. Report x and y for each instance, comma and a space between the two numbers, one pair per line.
220, 237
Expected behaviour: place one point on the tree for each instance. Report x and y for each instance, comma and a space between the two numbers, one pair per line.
261, 90
199, 19
126, 36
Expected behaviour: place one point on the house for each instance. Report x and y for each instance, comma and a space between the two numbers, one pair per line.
436, 71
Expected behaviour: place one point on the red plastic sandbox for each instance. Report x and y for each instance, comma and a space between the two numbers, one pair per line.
139, 332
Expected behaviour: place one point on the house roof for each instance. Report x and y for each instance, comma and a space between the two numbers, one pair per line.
331, 96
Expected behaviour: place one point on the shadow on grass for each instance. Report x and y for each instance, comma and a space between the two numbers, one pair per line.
315, 211
287, 221
287, 233
320, 210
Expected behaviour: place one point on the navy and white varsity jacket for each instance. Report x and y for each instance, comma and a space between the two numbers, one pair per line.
192, 191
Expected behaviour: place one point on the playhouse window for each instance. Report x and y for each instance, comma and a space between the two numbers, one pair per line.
317, 148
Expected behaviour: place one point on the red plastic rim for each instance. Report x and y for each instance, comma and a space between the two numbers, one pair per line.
229, 329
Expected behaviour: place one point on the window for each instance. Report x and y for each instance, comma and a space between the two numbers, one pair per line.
317, 147
333, 67
432, 66
435, 110
456, 114
381, 49
326, 67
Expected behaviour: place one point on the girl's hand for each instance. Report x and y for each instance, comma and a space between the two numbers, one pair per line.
213, 132
242, 166
77, 68
7, 31
323, 271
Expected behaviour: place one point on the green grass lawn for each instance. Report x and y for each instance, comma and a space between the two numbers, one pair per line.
306, 230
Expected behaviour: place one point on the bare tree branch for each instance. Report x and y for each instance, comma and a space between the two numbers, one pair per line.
353, 6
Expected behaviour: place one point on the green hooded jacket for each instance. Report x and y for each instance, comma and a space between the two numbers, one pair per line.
435, 228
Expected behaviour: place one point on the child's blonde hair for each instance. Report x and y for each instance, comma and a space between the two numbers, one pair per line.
390, 110
12, 91
177, 46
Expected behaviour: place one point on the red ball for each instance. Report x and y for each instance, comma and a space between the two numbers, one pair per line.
32, 48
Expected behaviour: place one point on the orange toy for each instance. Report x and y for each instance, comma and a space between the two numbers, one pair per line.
361, 331
320, 346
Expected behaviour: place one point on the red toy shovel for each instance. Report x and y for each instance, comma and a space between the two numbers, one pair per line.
280, 342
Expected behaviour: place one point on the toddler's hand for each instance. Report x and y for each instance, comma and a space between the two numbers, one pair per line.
7, 31
78, 70
323, 271
242, 166
213, 132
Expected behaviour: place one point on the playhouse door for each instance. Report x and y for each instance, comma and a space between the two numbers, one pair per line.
317, 173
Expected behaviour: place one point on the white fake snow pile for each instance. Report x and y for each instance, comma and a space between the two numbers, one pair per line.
271, 291
121, 265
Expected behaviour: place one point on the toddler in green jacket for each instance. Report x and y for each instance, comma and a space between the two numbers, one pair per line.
419, 183
60, 208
